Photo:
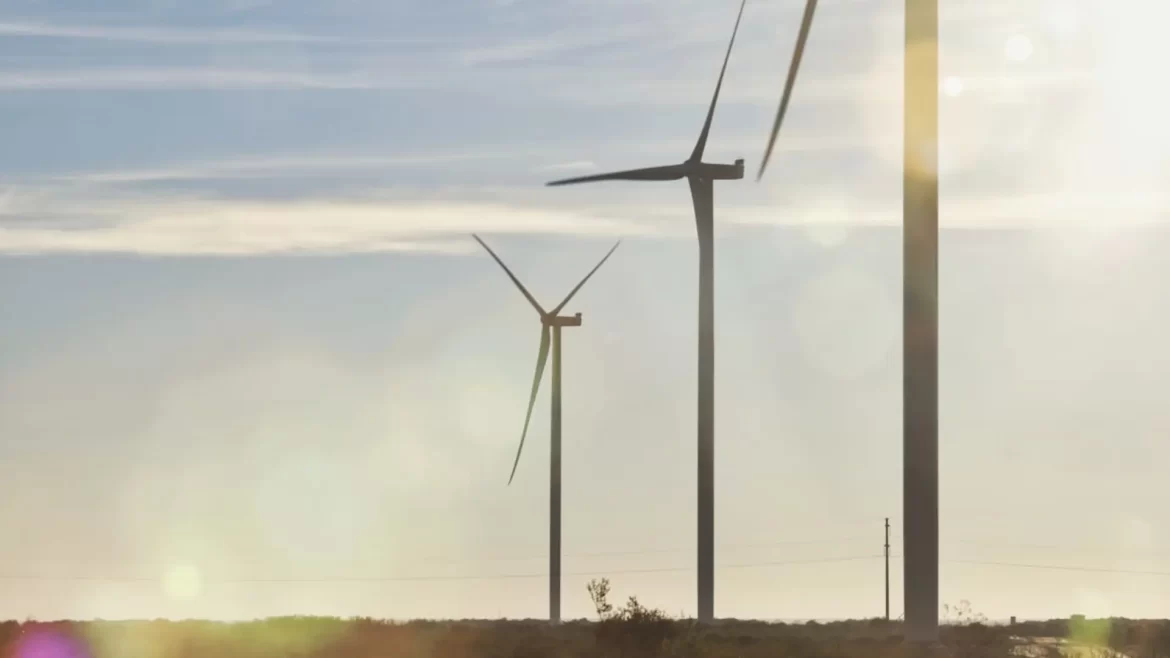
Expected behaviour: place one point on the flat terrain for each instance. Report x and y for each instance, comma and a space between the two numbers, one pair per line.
621, 635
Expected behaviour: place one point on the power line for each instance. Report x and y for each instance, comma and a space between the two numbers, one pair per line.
594, 572
811, 561
1071, 548
388, 579
451, 560
798, 542
606, 572
1095, 551
1053, 567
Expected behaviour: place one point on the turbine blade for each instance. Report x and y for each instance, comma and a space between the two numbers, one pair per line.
527, 295
596, 267
793, 68
541, 359
669, 172
697, 201
701, 145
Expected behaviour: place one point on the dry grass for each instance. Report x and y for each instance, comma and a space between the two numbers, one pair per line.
312, 637
632, 631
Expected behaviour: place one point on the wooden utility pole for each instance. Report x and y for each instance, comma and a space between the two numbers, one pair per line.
887, 568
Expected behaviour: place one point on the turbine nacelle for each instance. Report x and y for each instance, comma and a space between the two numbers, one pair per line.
561, 320
719, 171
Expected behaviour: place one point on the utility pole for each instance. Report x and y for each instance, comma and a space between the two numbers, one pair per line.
887, 568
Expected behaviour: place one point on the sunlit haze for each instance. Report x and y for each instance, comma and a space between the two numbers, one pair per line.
253, 364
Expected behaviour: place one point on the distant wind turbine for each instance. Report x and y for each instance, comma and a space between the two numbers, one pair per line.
701, 176
549, 320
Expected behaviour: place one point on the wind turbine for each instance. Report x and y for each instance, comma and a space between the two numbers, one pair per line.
701, 177
920, 321
919, 307
810, 8
554, 321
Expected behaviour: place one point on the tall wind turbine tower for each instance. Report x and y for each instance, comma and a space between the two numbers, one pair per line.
920, 321
919, 307
701, 177
551, 323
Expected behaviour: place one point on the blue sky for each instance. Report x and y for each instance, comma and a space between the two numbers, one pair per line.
247, 335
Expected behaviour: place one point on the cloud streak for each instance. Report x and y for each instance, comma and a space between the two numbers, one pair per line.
622, 89
59, 221
171, 35
159, 35
543, 46
47, 223
575, 165
273, 167
200, 78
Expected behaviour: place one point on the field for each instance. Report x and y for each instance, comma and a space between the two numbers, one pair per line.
621, 635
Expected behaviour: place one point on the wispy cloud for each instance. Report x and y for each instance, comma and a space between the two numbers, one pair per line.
575, 165
323, 166
659, 57
45, 222
541, 46
621, 88
156, 34
1054, 210
273, 167
153, 78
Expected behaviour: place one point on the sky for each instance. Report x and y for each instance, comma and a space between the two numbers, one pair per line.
252, 363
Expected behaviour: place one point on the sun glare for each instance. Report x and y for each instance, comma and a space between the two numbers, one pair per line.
1063, 18
827, 221
1018, 48
952, 85
183, 582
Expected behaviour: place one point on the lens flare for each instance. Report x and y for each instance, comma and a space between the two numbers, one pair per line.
826, 221
183, 582
49, 644
1018, 48
826, 313
1063, 18
952, 85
